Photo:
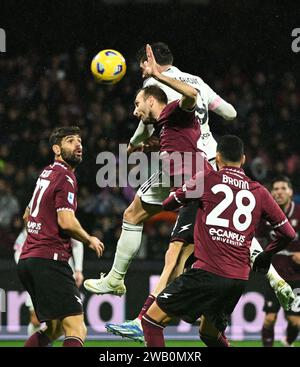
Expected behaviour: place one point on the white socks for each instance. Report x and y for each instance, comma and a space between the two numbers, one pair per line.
128, 246
31, 329
272, 275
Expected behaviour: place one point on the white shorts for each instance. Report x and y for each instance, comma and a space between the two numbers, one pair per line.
155, 190
28, 303
208, 145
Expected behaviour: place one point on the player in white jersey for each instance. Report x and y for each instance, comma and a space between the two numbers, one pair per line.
207, 100
76, 262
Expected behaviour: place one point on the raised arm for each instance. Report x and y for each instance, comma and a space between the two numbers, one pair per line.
189, 94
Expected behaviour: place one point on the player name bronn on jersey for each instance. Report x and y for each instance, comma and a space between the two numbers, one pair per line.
241, 184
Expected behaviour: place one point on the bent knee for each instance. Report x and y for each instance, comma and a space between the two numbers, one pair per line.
74, 326
132, 216
270, 319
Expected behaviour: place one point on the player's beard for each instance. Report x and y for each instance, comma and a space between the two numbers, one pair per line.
149, 120
70, 158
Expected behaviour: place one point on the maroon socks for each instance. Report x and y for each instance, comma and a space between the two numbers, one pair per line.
153, 332
73, 341
267, 335
220, 341
38, 339
150, 299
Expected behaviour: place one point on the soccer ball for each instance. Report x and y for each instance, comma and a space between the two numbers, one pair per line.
108, 67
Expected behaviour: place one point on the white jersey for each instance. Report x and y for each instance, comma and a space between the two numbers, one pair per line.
207, 98
77, 251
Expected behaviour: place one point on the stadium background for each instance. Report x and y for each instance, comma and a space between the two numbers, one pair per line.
242, 49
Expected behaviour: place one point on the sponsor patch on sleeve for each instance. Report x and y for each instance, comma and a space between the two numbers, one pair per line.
71, 198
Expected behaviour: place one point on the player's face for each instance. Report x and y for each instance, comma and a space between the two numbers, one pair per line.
143, 107
282, 193
71, 150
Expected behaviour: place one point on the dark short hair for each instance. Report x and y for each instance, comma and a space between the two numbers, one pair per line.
281, 178
161, 51
156, 92
231, 148
61, 132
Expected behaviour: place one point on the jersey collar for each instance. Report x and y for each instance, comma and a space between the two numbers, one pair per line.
61, 164
233, 169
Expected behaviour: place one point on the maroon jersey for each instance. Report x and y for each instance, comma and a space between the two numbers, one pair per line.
179, 131
55, 190
230, 207
283, 260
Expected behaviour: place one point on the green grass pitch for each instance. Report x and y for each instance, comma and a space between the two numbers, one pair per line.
127, 343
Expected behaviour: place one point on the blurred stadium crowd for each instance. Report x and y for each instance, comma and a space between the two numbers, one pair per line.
39, 93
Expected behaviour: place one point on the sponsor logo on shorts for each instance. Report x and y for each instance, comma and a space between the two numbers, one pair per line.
79, 300
165, 295
185, 227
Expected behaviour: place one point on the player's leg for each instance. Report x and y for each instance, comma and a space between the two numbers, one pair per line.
129, 243
53, 330
175, 258
282, 289
223, 296
267, 332
34, 324
54, 294
293, 318
210, 335
171, 257
292, 330
271, 309
25, 273
127, 247
180, 298
75, 331
153, 324
184, 255
180, 247
146, 203
45, 337
132, 329
218, 305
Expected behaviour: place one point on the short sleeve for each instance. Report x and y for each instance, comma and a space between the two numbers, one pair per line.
65, 198
180, 116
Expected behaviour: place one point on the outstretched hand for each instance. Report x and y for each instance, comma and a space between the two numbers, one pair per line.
150, 65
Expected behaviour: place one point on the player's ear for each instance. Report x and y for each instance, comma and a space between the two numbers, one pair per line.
56, 149
243, 160
151, 100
